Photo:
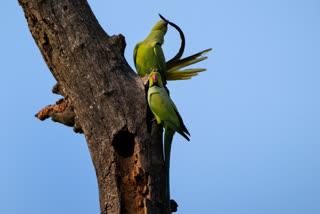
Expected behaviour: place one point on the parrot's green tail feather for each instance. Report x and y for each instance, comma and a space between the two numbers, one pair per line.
173, 68
187, 59
168, 136
184, 74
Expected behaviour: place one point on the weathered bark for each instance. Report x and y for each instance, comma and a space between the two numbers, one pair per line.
107, 101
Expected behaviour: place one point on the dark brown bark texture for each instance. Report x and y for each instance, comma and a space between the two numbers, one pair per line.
108, 103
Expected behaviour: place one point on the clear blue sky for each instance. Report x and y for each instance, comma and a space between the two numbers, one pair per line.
254, 116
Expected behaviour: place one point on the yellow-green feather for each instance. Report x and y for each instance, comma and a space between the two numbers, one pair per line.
173, 71
148, 54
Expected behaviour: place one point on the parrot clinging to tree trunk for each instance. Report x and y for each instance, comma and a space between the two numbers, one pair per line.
167, 114
148, 55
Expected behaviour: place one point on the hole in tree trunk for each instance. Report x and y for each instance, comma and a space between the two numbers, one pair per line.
123, 142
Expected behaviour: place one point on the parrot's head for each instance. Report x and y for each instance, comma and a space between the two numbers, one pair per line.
162, 26
155, 79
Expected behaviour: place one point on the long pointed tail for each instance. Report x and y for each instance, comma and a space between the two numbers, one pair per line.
173, 68
168, 136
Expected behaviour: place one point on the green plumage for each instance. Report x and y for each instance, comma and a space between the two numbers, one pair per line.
148, 55
173, 71
163, 107
167, 114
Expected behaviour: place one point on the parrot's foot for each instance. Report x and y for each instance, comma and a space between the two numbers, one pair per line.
174, 206
154, 119
145, 79
154, 70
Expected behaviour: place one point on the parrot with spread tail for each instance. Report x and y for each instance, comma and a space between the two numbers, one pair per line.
148, 55
167, 114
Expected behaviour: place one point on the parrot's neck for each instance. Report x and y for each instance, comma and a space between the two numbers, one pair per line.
157, 36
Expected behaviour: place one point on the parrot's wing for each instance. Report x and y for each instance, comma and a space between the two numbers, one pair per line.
182, 126
160, 105
177, 129
163, 107
160, 57
174, 113
135, 53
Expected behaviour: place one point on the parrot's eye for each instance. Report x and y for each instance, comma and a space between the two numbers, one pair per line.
155, 78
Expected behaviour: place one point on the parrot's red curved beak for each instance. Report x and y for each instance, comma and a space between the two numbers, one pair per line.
155, 78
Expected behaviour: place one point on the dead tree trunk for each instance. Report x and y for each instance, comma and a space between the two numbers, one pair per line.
106, 100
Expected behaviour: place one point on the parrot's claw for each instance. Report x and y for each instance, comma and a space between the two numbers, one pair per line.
154, 70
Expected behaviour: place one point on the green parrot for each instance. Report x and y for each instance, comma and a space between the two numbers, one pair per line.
167, 114
148, 55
